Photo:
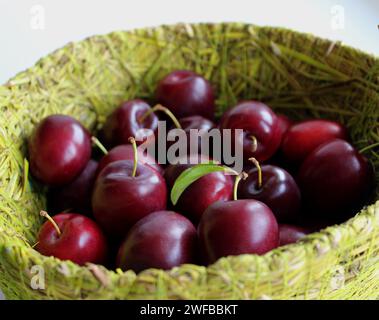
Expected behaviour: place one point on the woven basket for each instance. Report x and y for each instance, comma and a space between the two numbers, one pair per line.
297, 74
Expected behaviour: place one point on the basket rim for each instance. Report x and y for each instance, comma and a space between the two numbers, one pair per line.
175, 25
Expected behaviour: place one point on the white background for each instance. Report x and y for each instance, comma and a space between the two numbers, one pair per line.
70, 20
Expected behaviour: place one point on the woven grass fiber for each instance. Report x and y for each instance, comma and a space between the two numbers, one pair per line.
297, 74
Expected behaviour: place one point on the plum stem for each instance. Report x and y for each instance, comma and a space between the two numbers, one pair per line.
258, 166
242, 176
47, 216
135, 154
159, 107
34, 245
97, 142
254, 145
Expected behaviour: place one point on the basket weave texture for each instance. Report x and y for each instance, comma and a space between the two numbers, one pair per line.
296, 74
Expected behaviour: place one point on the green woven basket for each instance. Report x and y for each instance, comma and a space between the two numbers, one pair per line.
297, 74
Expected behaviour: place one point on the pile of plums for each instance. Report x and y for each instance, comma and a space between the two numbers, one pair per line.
115, 210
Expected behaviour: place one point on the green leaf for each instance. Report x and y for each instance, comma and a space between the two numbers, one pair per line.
190, 175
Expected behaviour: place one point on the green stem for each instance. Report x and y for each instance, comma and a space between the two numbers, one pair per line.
254, 146
256, 163
96, 142
47, 216
240, 177
34, 245
159, 107
134, 144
